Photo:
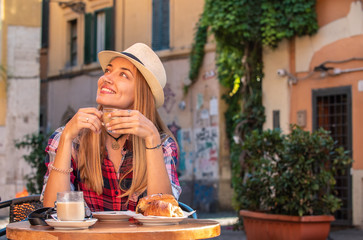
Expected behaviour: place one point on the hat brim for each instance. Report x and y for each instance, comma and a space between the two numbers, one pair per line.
105, 57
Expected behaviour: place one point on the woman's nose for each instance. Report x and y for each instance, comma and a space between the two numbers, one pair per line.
106, 79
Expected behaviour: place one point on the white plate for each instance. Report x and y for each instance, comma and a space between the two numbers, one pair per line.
71, 225
158, 220
113, 215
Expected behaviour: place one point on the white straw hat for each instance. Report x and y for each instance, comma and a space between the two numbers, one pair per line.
147, 62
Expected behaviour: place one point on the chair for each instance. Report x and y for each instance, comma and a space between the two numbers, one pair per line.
186, 208
19, 208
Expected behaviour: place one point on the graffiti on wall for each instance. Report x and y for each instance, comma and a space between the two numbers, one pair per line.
206, 153
186, 167
205, 196
169, 98
174, 129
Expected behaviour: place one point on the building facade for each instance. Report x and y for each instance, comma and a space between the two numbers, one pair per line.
20, 24
318, 82
77, 30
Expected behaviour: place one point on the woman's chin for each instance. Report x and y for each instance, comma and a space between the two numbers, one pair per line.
110, 104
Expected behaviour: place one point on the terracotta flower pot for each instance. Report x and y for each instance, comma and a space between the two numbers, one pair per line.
260, 226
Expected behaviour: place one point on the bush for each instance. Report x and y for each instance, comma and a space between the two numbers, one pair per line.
37, 144
291, 174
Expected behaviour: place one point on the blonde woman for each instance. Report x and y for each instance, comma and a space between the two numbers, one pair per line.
133, 155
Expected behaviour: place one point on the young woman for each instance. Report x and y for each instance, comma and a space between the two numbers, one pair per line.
133, 155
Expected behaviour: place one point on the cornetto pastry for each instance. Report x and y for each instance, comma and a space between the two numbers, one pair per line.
159, 205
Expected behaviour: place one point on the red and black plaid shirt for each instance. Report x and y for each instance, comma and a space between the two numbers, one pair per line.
109, 200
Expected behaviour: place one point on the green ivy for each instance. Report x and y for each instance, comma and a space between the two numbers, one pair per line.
197, 54
241, 28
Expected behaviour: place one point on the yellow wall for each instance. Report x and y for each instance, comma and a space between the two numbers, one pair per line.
183, 17
275, 88
133, 23
20, 13
23, 12
138, 22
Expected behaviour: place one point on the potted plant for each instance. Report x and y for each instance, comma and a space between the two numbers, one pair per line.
288, 184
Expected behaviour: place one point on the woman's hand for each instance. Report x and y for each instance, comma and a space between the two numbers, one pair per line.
134, 122
85, 118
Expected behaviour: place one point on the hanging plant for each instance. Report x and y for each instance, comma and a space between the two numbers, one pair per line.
197, 54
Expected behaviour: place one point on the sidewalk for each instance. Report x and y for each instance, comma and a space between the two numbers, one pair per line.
227, 219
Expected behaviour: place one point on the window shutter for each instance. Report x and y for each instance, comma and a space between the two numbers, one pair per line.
155, 25
109, 29
88, 38
165, 24
94, 38
160, 25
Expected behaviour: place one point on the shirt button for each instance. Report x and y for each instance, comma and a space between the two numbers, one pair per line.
116, 192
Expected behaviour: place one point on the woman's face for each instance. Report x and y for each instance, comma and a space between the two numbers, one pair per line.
116, 87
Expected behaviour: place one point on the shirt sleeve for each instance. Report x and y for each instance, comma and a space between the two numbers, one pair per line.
51, 151
170, 152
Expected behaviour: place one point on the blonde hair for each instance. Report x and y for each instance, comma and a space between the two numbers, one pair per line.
92, 146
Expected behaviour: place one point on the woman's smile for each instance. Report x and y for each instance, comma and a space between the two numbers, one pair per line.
116, 87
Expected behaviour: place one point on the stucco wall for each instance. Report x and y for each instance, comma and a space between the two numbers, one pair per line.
275, 88
196, 119
345, 27
70, 93
22, 105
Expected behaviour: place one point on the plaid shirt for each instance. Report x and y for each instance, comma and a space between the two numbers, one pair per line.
108, 200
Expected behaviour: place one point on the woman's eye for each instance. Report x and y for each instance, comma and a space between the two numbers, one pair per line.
123, 75
107, 70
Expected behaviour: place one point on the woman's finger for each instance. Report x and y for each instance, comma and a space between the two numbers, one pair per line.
124, 113
92, 122
93, 111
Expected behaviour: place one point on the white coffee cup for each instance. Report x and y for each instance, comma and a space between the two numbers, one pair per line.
70, 206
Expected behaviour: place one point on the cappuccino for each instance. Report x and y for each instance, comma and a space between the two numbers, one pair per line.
70, 211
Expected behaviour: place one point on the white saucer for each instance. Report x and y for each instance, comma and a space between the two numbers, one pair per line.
113, 215
154, 220
159, 220
71, 225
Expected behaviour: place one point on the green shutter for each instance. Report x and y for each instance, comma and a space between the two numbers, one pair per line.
94, 38
88, 38
160, 24
109, 29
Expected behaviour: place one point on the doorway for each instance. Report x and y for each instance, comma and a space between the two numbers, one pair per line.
332, 110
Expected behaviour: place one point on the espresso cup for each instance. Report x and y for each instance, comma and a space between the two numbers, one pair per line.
70, 206
106, 118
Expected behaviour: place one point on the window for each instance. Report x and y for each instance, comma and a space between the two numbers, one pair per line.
73, 42
160, 25
98, 34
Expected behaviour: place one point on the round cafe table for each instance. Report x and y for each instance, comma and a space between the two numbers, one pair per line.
121, 230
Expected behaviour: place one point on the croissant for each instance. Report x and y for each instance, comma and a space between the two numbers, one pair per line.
159, 205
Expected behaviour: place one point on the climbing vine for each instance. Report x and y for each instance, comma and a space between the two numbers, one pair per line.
197, 54
241, 28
